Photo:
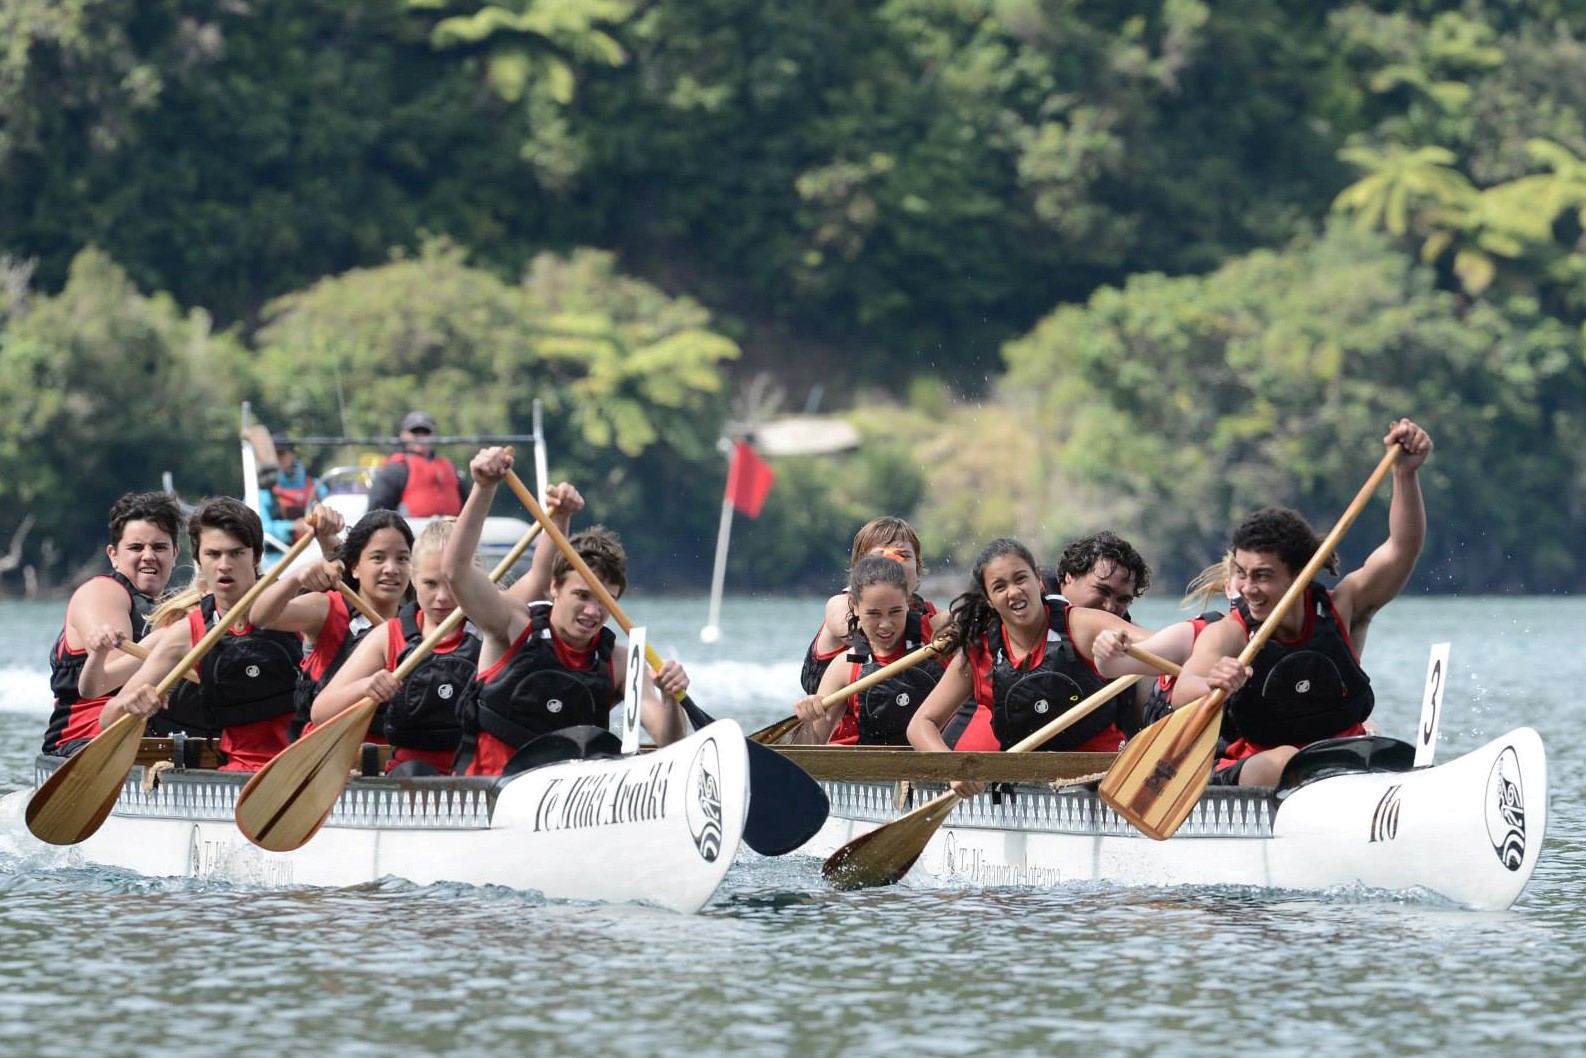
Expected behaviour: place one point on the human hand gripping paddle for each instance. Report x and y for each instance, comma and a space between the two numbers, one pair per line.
75, 801
1163, 770
884, 855
773, 734
786, 806
289, 799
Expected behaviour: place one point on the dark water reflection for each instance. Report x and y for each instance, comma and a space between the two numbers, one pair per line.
97, 962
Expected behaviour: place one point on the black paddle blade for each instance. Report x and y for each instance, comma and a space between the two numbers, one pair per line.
786, 806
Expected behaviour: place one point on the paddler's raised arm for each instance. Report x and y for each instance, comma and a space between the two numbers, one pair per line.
497, 615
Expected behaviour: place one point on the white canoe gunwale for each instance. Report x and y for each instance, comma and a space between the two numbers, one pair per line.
1469, 831
661, 828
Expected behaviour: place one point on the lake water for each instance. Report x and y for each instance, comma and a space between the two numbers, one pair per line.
98, 962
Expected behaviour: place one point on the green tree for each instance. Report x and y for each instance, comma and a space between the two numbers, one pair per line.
102, 389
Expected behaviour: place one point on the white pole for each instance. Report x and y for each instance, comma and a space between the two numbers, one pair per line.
542, 475
718, 578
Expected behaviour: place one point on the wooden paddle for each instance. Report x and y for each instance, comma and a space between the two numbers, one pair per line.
786, 806
72, 803
360, 604
139, 651
885, 854
1164, 769
775, 733
289, 799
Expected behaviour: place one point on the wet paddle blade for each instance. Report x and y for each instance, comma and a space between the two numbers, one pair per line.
289, 799
1163, 770
786, 806
884, 856
775, 734
74, 801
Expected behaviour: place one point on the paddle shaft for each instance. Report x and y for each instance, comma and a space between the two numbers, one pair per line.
886, 672
1156, 661
361, 604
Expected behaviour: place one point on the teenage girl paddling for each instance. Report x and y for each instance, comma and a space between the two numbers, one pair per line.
883, 628
420, 716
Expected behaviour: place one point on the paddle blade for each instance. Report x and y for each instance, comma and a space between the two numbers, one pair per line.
884, 856
1163, 770
289, 799
77, 799
786, 806
777, 733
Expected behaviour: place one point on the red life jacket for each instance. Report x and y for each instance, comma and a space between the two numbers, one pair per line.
431, 487
293, 503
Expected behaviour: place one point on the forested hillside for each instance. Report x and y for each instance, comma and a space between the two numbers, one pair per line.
1142, 265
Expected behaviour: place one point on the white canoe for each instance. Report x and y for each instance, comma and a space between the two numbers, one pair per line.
659, 829
1469, 831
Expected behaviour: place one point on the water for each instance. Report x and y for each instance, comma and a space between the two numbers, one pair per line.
99, 962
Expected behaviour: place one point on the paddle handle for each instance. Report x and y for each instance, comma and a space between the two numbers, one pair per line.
1075, 714
1156, 661
141, 652
237, 613
360, 604
864, 683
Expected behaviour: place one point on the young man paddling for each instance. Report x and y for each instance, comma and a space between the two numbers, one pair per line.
247, 681
550, 665
1306, 683
85, 666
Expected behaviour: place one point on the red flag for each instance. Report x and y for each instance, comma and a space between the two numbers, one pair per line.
748, 480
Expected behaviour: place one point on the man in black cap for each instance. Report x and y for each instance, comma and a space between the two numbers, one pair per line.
415, 480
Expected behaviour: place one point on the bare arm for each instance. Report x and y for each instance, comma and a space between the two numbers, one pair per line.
1386, 570
1211, 662
1085, 624
95, 616
359, 677
952, 690
166, 648
819, 720
659, 715
1173, 643
834, 626
497, 615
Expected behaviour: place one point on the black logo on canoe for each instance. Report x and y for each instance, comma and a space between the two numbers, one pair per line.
704, 800
1506, 809
1385, 820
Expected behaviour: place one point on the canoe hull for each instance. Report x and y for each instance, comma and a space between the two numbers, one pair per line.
659, 829
1469, 831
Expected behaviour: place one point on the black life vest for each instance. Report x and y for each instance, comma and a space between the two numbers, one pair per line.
1301, 692
308, 688
533, 694
816, 663
886, 709
1024, 700
249, 677
428, 709
66, 665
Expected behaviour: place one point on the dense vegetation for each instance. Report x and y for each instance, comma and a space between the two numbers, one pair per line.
1137, 263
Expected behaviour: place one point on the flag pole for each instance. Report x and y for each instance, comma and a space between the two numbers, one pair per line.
718, 578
